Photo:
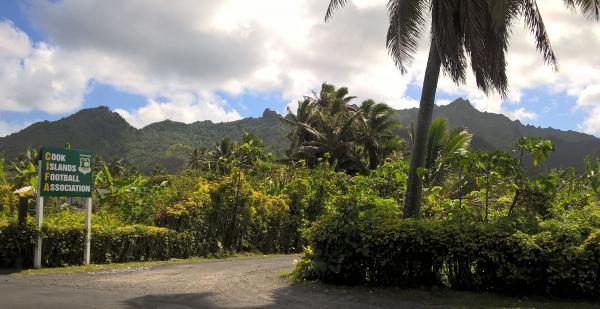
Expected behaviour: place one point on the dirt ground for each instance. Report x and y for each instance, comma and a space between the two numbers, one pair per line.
236, 283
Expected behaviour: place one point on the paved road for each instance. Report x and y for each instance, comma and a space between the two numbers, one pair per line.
237, 283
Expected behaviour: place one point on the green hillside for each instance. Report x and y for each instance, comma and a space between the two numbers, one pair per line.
167, 143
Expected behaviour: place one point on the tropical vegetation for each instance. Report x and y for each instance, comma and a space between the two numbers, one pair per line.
490, 220
463, 32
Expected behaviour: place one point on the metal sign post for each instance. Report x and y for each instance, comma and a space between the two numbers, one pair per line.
88, 231
68, 173
39, 218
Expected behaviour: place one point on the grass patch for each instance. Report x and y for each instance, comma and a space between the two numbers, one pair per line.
139, 264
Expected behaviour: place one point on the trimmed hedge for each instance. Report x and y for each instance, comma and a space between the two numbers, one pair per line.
409, 253
15, 238
64, 246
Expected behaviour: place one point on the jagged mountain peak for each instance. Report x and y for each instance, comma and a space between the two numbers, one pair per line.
461, 103
106, 133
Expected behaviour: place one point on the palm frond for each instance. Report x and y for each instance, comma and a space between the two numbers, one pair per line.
535, 23
407, 21
333, 6
459, 141
590, 8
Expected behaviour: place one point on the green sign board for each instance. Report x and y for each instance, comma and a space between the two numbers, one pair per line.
66, 172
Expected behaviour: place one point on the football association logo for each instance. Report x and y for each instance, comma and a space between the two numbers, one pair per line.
85, 164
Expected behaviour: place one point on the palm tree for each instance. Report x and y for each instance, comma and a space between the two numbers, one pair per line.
326, 127
335, 136
327, 123
443, 144
377, 124
223, 153
333, 101
460, 29
302, 117
196, 159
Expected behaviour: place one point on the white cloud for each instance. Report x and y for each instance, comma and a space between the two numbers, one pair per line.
186, 48
589, 96
37, 76
576, 42
589, 100
8, 127
182, 107
13, 43
592, 123
521, 114
230, 46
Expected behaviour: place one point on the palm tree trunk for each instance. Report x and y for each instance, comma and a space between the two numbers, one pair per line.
373, 158
412, 205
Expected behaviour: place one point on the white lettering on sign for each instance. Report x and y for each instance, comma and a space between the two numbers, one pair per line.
70, 188
58, 157
48, 156
63, 177
62, 167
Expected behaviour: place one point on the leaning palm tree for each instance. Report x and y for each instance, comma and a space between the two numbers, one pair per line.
462, 31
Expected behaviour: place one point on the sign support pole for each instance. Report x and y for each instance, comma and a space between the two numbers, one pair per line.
39, 216
88, 233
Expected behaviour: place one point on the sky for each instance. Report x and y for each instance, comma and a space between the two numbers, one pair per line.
193, 60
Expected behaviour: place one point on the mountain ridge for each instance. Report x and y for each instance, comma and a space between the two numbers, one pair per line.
165, 143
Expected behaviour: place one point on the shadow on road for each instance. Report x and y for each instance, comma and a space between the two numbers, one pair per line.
294, 296
8, 271
192, 300
325, 296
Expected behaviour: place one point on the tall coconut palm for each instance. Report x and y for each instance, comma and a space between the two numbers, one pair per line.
462, 31
333, 101
376, 130
302, 117
326, 124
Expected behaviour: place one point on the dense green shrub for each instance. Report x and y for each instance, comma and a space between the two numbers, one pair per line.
375, 248
64, 245
8, 201
15, 239
229, 215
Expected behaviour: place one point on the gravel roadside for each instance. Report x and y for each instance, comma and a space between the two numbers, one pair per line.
237, 283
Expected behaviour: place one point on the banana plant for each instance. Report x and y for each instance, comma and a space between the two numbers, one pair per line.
109, 188
26, 180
